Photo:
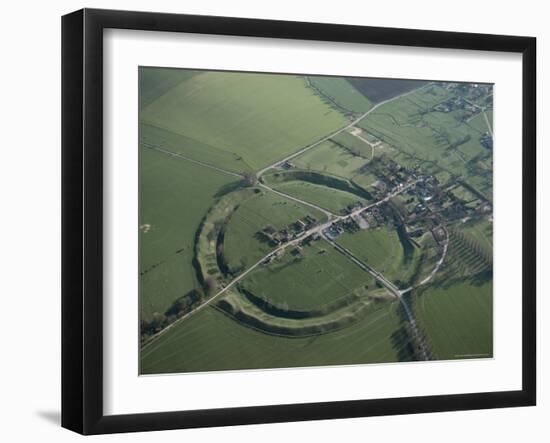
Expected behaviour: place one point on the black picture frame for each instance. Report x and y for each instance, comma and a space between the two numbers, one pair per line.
82, 219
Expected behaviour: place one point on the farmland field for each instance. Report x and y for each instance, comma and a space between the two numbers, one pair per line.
294, 220
331, 158
354, 145
174, 195
332, 199
382, 249
458, 319
211, 341
156, 82
259, 118
307, 278
341, 93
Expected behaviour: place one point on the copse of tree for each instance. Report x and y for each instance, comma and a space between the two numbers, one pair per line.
250, 178
184, 304
210, 285
179, 308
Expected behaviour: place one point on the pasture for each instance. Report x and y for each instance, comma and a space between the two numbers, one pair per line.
154, 82
174, 196
341, 93
334, 200
384, 250
257, 117
212, 341
354, 144
330, 158
458, 319
307, 278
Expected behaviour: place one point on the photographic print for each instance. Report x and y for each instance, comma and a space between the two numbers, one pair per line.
293, 220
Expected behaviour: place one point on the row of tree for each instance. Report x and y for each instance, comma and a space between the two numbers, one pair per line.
179, 308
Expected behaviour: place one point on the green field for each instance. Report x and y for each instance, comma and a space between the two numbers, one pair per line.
153, 137
258, 117
174, 196
154, 82
242, 247
330, 158
331, 199
436, 140
339, 92
354, 144
478, 122
212, 234
457, 319
382, 249
212, 341
309, 278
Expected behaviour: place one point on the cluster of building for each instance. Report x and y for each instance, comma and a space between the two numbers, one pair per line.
469, 98
276, 237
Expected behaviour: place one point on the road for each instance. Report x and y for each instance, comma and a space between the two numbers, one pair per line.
388, 285
487, 121
317, 229
290, 197
353, 123
314, 230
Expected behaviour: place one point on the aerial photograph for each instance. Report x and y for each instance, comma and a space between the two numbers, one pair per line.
294, 220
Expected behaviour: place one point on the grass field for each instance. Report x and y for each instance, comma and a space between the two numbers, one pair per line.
332, 199
330, 158
174, 195
317, 275
341, 93
482, 232
211, 341
354, 144
479, 124
153, 137
258, 117
382, 249
457, 319
435, 140
242, 247
154, 82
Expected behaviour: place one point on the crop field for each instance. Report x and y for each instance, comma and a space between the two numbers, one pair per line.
330, 158
380, 89
458, 319
332, 199
154, 82
242, 247
307, 278
341, 93
258, 117
212, 341
157, 138
173, 197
